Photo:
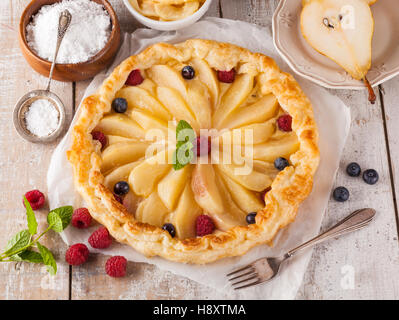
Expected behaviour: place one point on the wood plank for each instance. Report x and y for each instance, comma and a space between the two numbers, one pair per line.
24, 167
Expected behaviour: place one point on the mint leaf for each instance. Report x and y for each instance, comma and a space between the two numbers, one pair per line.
60, 218
28, 256
18, 241
32, 223
48, 259
181, 126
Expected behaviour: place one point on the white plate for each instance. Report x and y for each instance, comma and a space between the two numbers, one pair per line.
308, 63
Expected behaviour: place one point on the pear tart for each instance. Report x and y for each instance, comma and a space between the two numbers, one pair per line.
129, 179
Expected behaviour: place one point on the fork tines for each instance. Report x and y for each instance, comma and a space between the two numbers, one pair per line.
243, 276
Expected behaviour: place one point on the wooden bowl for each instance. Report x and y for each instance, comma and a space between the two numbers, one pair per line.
70, 72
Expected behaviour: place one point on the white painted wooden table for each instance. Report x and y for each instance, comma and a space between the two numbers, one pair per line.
372, 254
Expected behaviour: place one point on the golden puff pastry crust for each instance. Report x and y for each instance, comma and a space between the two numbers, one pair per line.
289, 188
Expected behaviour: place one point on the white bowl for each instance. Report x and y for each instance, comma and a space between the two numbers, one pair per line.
168, 25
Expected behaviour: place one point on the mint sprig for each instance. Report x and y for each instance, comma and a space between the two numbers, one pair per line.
20, 246
185, 137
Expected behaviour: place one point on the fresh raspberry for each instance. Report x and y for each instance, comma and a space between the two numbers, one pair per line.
35, 198
118, 198
81, 218
135, 78
285, 122
202, 146
204, 225
98, 135
227, 76
100, 239
77, 254
116, 266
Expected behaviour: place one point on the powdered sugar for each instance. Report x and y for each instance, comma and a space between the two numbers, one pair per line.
88, 33
42, 118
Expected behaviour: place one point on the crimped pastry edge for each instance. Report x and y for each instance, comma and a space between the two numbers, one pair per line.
288, 190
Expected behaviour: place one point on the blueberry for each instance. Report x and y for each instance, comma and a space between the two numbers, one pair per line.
251, 218
121, 188
119, 105
341, 194
170, 228
281, 163
370, 176
188, 72
353, 169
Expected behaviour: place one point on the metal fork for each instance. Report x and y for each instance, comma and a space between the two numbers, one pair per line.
265, 269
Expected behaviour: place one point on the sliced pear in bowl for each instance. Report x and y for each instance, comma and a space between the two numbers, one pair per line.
341, 30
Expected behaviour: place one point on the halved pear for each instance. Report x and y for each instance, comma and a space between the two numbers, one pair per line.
165, 76
206, 192
234, 96
246, 200
141, 98
172, 185
200, 103
176, 105
148, 85
152, 210
145, 176
120, 125
186, 213
262, 110
119, 174
207, 76
341, 30
274, 149
122, 153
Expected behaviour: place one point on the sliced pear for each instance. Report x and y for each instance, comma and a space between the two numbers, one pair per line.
165, 76
271, 150
115, 139
342, 35
141, 98
144, 177
234, 96
148, 85
119, 174
232, 216
122, 153
256, 181
171, 13
152, 210
200, 103
206, 192
246, 200
207, 76
176, 105
262, 110
120, 125
172, 185
186, 213
131, 202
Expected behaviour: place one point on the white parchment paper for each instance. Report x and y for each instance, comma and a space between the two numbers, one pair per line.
333, 119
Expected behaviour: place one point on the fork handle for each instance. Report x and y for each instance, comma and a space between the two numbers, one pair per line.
355, 221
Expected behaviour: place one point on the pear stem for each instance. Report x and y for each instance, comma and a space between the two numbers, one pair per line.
372, 96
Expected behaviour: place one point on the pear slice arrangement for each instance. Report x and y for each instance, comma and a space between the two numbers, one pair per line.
342, 30
160, 194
